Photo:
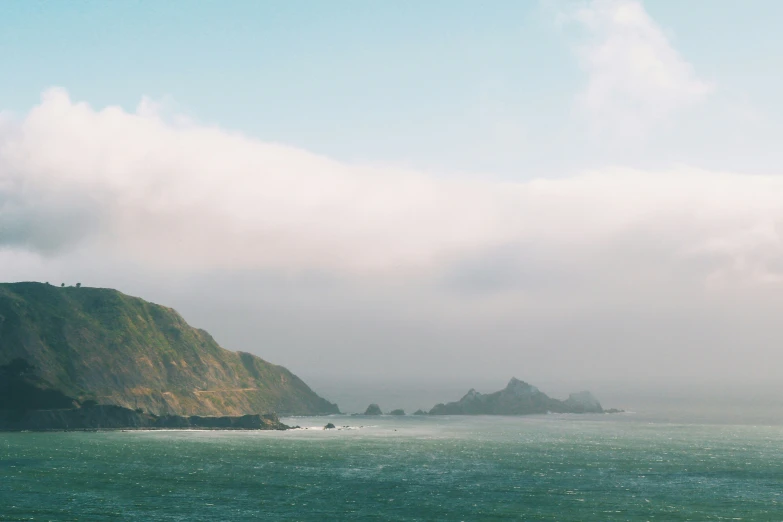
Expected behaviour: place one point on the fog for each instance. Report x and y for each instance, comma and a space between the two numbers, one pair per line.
366, 277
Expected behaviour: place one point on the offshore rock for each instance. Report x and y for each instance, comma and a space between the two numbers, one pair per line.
373, 409
517, 398
583, 402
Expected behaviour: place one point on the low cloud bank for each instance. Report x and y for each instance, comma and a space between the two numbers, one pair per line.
611, 274
199, 198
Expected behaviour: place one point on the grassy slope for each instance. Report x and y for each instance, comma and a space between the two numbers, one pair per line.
99, 343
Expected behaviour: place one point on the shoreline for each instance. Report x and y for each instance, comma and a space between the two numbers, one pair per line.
108, 417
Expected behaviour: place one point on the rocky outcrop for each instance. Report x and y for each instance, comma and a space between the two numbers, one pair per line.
420, 412
517, 398
117, 417
373, 409
267, 421
397, 412
583, 402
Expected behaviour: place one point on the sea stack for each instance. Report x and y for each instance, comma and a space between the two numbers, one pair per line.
373, 409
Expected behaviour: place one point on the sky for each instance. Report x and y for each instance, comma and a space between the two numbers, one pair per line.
429, 195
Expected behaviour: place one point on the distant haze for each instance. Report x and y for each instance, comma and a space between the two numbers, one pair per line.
651, 260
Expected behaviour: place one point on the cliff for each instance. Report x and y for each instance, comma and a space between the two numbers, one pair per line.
99, 344
518, 398
117, 417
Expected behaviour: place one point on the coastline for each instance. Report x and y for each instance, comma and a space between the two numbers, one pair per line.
109, 417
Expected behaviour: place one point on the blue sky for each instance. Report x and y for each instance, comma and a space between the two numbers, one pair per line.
450, 85
413, 188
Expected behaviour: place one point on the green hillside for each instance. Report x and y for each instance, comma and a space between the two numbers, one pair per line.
96, 343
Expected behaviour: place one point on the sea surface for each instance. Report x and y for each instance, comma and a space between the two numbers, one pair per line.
547, 467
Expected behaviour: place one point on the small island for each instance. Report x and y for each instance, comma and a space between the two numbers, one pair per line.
518, 398
373, 409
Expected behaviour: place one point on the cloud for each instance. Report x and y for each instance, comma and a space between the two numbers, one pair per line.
200, 198
635, 77
185, 197
624, 270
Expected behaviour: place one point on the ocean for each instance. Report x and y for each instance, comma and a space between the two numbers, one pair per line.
543, 467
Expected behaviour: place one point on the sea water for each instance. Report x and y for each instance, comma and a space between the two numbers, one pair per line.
544, 467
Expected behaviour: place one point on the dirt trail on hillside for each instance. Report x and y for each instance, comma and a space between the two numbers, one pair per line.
226, 390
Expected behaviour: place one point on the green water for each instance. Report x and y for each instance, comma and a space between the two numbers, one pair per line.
413, 468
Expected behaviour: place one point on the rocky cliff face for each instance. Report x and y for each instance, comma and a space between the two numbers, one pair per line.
92, 343
517, 398
117, 417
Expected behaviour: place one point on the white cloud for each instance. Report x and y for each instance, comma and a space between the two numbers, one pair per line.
193, 198
636, 271
636, 78
202, 197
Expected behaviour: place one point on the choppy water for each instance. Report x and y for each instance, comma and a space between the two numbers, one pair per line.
414, 468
